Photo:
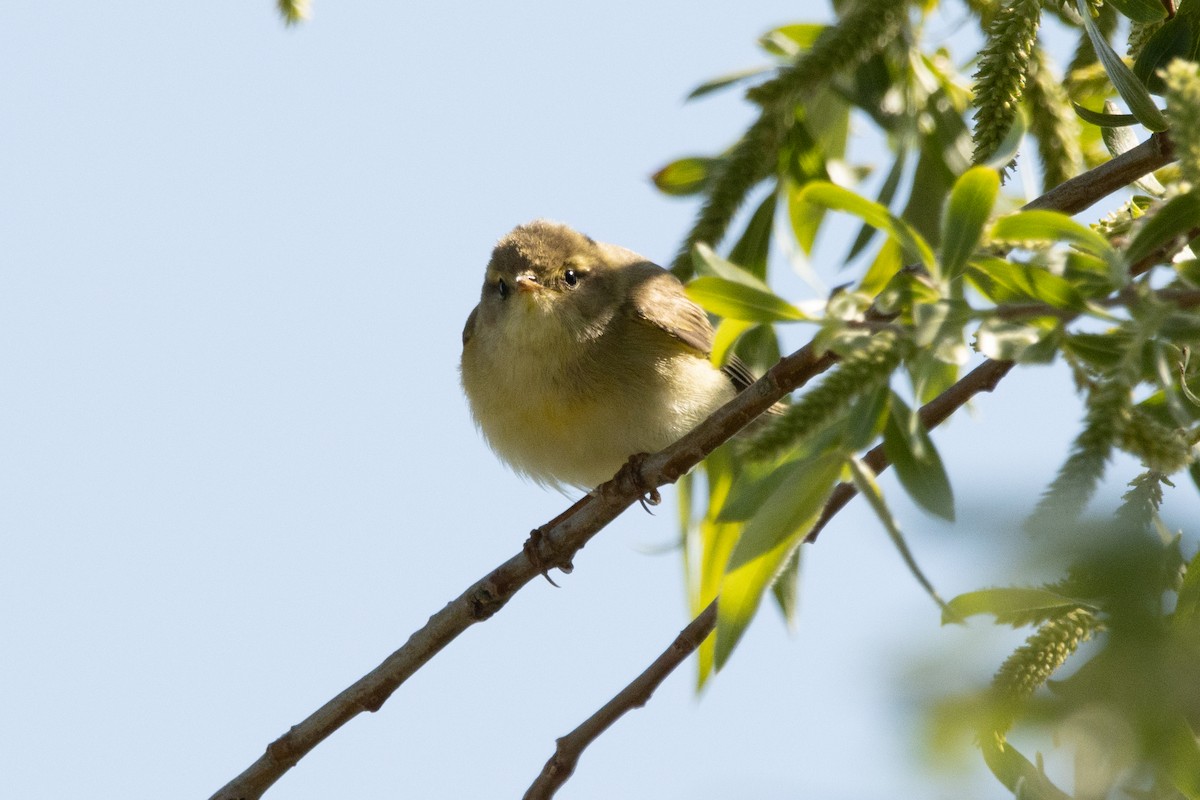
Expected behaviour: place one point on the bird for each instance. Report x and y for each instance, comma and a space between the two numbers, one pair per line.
582, 354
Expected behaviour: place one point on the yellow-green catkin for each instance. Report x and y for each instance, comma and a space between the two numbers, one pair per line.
1052, 121
1003, 67
1033, 663
1183, 113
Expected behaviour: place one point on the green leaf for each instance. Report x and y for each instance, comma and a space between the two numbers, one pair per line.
866, 419
1009, 341
967, 211
736, 300
1050, 226
1179, 37
1131, 89
685, 176
887, 193
917, 463
1104, 119
1182, 756
753, 247
868, 487
790, 40
1140, 10
726, 337
723, 81
1004, 281
707, 262
1010, 603
786, 589
1178, 217
767, 541
831, 196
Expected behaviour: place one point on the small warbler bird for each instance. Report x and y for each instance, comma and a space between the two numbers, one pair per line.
582, 354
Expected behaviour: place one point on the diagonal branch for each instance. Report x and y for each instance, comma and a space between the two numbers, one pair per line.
638, 692
555, 544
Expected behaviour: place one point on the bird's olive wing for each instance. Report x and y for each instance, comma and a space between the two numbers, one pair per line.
657, 297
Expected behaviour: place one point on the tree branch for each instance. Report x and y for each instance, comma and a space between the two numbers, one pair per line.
637, 693
556, 543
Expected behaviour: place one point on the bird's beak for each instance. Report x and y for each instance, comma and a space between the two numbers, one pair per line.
527, 282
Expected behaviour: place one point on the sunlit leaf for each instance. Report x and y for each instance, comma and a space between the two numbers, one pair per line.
726, 80
790, 40
836, 198
1011, 341
1003, 281
767, 541
967, 211
736, 300
864, 481
1178, 218
708, 263
684, 176
1050, 226
1011, 603
1131, 89
887, 193
916, 461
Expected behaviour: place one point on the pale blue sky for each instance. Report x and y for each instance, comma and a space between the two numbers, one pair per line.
238, 470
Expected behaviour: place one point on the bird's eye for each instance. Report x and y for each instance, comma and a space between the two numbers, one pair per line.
502, 288
570, 277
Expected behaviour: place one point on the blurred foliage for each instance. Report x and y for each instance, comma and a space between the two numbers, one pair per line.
946, 272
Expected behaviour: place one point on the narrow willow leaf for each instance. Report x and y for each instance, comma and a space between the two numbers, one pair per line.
866, 419
1131, 89
1103, 118
726, 337
729, 79
1003, 281
836, 198
790, 40
1018, 774
806, 218
754, 246
868, 487
1175, 221
765, 545
887, 263
736, 300
917, 463
707, 262
1007, 604
1009, 341
1050, 226
1140, 10
967, 211
717, 540
685, 176
786, 589
1182, 756
1177, 38
887, 193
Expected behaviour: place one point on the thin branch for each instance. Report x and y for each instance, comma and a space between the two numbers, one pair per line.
635, 695
638, 692
1080, 192
555, 544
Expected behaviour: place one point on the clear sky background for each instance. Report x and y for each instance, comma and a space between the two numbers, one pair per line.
237, 469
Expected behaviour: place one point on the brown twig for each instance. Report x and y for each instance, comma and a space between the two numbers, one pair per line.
557, 543
570, 747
